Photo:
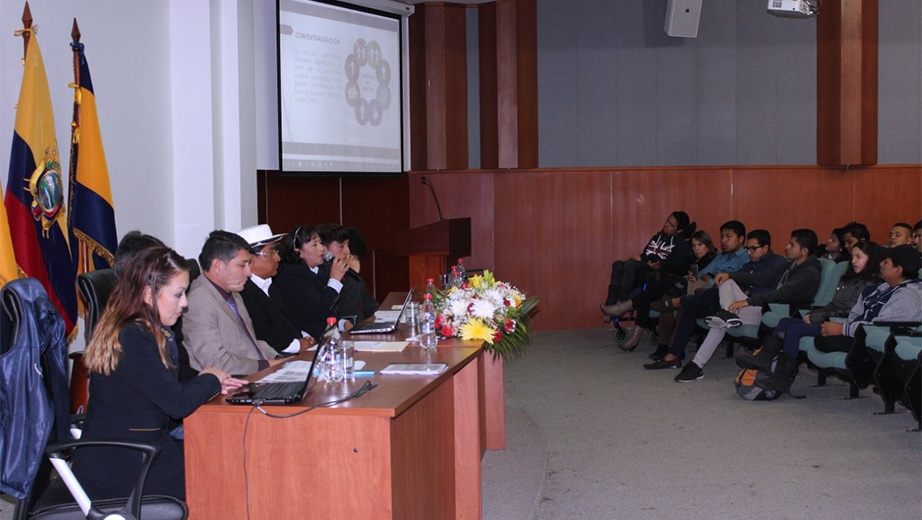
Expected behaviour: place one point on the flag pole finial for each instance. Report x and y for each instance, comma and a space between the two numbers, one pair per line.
26, 24
75, 32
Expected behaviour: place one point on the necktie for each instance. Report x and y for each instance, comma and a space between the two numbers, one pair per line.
263, 364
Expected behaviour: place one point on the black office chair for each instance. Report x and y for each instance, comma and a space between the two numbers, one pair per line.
50, 499
95, 288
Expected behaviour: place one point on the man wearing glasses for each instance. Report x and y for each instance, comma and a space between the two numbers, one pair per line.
270, 321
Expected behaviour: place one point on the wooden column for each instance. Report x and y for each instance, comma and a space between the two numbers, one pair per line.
846, 82
508, 84
438, 87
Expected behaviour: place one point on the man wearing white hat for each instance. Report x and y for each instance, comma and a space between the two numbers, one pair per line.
270, 320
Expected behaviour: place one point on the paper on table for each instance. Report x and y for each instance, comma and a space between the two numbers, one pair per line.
387, 315
426, 369
295, 371
380, 346
396, 307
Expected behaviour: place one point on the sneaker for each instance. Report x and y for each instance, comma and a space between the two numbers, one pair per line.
661, 364
724, 319
691, 372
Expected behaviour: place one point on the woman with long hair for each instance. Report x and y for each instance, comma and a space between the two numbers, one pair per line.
134, 386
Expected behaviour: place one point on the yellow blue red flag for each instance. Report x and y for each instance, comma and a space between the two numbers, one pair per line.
35, 191
92, 213
8, 269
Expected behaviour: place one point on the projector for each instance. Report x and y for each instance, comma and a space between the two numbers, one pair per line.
792, 8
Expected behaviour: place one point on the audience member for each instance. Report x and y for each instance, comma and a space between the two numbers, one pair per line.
354, 300
299, 286
853, 233
917, 236
704, 251
834, 249
898, 298
270, 320
664, 254
356, 243
134, 390
863, 270
664, 259
217, 327
900, 235
763, 276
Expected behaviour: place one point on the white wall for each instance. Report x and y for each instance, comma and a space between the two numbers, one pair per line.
175, 94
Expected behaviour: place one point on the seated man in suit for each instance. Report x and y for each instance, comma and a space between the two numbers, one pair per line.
270, 321
354, 300
217, 327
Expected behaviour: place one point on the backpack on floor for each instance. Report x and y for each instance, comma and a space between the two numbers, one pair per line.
745, 384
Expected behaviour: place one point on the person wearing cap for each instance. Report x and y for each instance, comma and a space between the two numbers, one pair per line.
217, 327
898, 299
270, 321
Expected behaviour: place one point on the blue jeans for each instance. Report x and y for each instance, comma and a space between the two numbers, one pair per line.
794, 329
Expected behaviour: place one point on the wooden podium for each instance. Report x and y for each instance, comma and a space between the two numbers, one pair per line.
432, 247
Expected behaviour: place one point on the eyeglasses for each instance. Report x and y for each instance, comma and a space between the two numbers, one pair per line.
753, 249
268, 252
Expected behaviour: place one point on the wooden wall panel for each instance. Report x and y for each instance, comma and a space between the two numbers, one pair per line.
643, 199
885, 196
461, 194
782, 200
552, 234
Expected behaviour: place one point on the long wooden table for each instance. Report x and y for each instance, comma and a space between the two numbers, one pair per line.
493, 386
409, 449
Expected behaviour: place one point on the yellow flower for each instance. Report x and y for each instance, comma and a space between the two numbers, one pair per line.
476, 330
475, 281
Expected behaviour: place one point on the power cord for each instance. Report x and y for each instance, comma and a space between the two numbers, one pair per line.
257, 405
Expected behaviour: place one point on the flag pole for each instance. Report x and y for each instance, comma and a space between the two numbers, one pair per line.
82, 258
27, 30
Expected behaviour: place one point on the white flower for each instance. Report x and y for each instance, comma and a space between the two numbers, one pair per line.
483, 309
458, 307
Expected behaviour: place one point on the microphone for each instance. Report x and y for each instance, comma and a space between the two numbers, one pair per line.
427, 182
328, 256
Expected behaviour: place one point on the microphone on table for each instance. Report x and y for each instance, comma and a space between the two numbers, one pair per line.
435, 197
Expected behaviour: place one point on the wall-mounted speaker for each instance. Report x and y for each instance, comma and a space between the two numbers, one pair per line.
682, 18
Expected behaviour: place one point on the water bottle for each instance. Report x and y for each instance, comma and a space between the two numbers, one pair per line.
430, 286
455, 278
332, 355
462, 273
427, 338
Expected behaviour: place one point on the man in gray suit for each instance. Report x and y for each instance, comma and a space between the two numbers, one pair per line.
217, 327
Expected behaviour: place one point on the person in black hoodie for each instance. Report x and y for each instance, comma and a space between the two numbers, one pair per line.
663, 261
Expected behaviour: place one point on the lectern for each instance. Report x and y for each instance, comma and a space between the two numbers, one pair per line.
431, 248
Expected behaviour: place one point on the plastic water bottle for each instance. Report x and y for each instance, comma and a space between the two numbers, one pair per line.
455, 278
332, 355
462, 273
427, 337
430, 286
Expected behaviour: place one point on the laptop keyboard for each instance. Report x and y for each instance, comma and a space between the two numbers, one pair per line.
277, 390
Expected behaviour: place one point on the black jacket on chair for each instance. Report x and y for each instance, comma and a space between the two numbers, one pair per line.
270, 320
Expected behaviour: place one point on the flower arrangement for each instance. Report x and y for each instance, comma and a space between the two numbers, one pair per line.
486, 310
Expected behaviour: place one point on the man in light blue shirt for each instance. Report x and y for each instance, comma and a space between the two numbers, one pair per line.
733, 254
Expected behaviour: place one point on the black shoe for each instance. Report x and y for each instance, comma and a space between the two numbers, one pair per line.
659, 353
691, 372
661, 364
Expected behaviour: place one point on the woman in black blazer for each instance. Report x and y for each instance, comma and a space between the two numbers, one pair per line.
134, 388
308, 295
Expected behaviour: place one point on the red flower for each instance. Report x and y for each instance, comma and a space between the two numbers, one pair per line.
506, 302
438, 320
447, 331
497, 336
509, 325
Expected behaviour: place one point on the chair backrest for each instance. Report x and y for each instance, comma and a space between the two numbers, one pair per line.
830, 274
95, 288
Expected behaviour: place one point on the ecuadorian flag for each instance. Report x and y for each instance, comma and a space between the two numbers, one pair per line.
8, 269
92, 213
35, 192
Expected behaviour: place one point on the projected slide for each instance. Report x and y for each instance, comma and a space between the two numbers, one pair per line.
339, 89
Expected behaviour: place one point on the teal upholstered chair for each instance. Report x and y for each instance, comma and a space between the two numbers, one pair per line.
830, 274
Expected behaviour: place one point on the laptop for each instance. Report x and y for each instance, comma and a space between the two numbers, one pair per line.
382, 327
281, 392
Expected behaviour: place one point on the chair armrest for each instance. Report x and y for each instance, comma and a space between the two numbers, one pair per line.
899, 327
57, 453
